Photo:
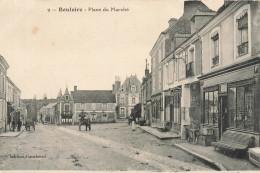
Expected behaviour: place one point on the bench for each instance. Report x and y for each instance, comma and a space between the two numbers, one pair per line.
235, 142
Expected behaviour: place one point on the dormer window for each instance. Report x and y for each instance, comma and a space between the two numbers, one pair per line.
67, 97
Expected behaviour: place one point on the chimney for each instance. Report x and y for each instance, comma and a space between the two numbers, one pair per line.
113, 87
171, 21
146, 72
75, 88
117, 83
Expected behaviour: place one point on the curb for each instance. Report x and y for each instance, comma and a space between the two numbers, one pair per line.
212, 163
161, 138
13, 136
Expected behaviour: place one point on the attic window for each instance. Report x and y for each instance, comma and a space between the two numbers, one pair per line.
67, 97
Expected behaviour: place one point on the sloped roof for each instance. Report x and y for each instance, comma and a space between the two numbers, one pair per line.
50, 105
129, 81
93, 96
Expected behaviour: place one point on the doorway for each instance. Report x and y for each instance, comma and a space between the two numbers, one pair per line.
223, 112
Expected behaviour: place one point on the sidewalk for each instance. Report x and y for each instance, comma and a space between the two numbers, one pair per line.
11, 134
216, 159
158, 134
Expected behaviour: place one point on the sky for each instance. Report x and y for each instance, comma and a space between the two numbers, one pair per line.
47, 51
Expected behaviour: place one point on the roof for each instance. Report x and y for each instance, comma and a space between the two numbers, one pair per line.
93, 96
50, 105
129, 81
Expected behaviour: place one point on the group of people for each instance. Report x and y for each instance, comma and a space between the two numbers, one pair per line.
14, 121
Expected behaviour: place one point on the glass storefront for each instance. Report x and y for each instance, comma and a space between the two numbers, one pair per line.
211, 107
241, 107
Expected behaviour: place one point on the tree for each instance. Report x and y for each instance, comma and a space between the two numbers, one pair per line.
45, 96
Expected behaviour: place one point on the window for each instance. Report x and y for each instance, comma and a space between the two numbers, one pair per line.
104, 106
122, 101
242, 34
242, 31
211, 107
104, 115
153, 82
122, 111
133, 100
170, 71
67, 108
67, 97
215, 47
190, 62
133, 89
181, 64
159, 79
161, 56
241, 107
93, 117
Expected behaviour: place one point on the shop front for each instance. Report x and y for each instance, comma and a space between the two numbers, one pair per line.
172, 111
157, 108
231, 100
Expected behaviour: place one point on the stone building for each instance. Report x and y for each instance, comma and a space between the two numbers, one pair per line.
3, 103
65, 107
98, 105
211, 79
230, 86
128, 95
170, 82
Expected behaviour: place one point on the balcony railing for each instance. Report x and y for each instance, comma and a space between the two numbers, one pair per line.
189, 69
242, 49
215, 61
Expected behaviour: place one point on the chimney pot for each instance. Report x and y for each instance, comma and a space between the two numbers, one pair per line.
171, 21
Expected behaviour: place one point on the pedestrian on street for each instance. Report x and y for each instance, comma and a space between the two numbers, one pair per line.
19, 125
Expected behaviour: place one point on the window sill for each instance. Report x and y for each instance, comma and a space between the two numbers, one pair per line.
239, 56
214, 66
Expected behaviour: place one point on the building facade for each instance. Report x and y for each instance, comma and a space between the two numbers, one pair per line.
230, 69
98, 105
3, 103
48, 113
64, 108
146, 92
169, 77
211, 79
128, 95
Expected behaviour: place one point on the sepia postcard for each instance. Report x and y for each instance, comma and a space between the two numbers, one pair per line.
129, 85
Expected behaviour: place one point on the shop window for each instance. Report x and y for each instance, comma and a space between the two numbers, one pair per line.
211, 107
241, 107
